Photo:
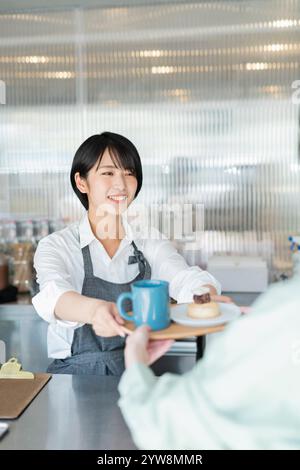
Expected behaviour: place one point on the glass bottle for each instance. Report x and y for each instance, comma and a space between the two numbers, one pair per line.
22, 261
3, 271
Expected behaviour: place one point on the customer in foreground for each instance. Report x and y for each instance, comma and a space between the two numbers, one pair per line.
244, 394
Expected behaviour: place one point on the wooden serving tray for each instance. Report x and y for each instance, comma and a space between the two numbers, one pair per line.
176, 331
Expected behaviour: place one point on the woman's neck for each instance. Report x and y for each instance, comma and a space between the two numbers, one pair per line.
106, 228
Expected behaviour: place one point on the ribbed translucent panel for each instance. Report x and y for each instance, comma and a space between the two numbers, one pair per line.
203, 89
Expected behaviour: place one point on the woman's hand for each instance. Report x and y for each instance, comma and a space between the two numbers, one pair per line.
225, 299
222, 298
139, 348
106, 320
218, 298
245, 309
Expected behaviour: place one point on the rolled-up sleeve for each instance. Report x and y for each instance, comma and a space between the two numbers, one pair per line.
168, 412
53, 279
169, 265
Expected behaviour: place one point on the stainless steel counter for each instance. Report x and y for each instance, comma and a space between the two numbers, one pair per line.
25, 335
71, 412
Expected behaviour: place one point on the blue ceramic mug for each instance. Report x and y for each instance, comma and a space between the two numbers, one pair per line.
150, 304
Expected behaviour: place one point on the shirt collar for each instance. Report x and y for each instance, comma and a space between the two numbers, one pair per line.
86, 235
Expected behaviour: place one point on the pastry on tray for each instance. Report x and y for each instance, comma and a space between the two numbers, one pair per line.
202, 307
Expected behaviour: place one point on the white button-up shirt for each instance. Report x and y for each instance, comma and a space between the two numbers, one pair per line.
58, 262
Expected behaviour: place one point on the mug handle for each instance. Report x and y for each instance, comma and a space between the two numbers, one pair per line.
121, 298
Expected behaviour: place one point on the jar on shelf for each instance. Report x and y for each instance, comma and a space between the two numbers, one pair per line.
40, 229
22, 266
9, 232
25, 231
3, 271
56, 224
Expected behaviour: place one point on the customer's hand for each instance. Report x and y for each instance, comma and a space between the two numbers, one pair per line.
139, 347
106, 320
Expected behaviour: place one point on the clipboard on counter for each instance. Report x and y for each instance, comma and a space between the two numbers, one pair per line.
18, 388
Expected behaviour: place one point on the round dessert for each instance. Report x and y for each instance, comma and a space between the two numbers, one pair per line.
203, 307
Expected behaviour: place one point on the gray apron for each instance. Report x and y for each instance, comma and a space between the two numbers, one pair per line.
92, 354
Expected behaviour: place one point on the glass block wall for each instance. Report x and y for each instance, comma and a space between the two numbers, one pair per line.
204, 90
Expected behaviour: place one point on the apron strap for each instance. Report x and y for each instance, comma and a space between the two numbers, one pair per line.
139, 258
87, 261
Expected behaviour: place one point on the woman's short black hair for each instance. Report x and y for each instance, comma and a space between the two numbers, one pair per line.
123, 154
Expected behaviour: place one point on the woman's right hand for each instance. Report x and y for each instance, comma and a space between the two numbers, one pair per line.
106, 320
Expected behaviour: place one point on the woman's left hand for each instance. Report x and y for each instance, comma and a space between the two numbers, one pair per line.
228, 300
218, 298
139, 347
222, 298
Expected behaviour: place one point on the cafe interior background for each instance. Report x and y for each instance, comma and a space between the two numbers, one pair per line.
205, 90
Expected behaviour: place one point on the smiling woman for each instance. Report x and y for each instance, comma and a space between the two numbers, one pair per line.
106, 176
106, 152
84, 268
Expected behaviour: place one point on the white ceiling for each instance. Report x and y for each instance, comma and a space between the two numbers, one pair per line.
26, 5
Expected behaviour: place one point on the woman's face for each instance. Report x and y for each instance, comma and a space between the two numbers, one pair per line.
107, 186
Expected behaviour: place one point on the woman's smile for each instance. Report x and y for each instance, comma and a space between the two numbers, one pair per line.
117, 198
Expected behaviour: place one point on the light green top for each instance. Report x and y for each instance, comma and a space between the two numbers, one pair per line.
244, 394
